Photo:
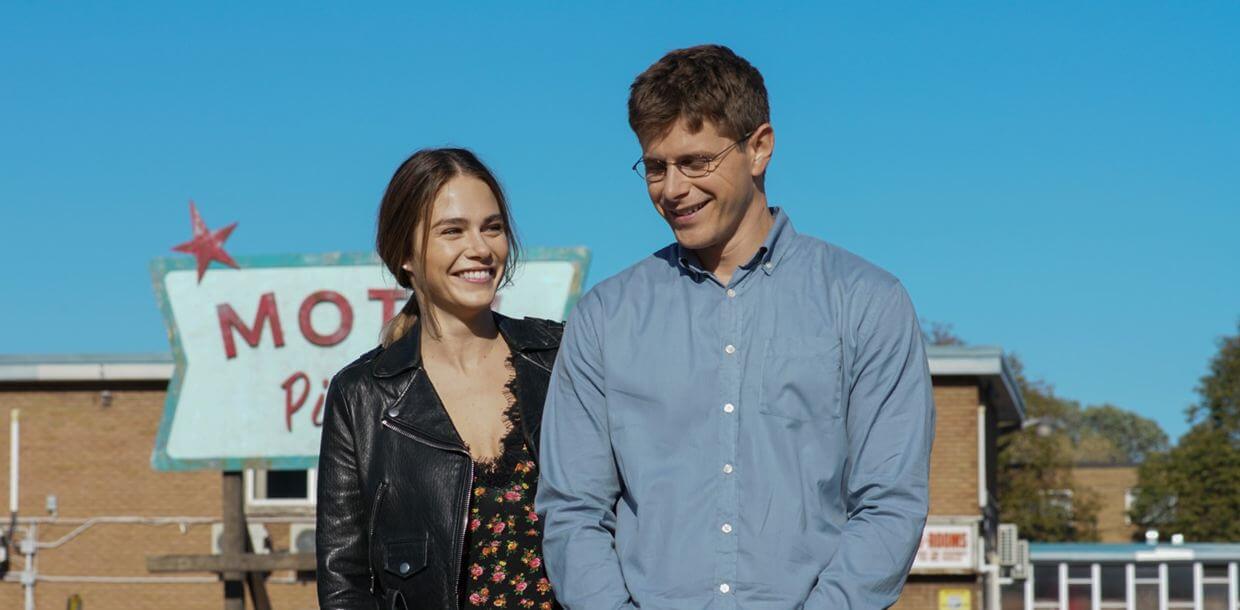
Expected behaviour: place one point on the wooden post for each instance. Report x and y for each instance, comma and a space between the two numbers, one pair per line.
233, 540
237, 563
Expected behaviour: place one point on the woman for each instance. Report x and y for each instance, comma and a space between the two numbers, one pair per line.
427, 467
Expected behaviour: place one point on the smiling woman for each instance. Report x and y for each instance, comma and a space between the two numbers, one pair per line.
427, 204
428, 470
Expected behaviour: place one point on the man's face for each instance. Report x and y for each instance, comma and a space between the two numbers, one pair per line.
703, 212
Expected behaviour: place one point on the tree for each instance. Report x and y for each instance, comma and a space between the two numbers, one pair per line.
1036, 488
1131, 438
1194, 488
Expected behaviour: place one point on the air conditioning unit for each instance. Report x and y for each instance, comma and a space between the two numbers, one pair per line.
301, 538
1008, 537
260, 540
1023, 565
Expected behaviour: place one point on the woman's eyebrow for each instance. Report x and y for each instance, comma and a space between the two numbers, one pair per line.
461, 221
456, 220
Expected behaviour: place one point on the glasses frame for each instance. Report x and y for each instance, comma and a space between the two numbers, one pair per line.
712, 163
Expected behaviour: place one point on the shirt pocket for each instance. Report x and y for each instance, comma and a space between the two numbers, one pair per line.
801, 378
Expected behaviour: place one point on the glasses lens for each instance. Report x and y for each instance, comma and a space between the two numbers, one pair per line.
652, 171
695, 167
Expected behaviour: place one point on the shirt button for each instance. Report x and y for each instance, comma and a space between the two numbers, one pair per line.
731, 293
727, 528
728, 408
727, 469
724, 588
768, 265
729, 348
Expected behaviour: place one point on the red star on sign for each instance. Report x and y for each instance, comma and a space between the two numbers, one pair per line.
207, 245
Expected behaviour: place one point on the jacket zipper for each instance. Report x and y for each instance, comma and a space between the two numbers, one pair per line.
464, 521
371, 539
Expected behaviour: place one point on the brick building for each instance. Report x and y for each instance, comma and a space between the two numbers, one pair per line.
90, 498
1113, 485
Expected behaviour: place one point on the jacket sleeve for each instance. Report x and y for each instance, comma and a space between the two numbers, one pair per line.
890, 422
340, 536
579, 484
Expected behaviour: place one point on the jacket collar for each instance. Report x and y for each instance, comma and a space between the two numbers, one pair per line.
406, 353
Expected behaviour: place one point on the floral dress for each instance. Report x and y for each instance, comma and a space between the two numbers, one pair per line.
503, 556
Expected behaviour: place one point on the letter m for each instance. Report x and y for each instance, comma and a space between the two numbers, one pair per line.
230, 321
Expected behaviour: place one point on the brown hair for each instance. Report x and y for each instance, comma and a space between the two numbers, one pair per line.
407, 206
704, 83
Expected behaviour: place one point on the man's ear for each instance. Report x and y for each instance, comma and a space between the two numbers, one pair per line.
761, 147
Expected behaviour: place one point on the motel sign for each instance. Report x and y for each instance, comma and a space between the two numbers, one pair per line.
256, 347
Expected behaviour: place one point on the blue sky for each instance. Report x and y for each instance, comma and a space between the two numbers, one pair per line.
1053, 178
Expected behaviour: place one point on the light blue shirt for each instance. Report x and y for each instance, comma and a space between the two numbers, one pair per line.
759, 445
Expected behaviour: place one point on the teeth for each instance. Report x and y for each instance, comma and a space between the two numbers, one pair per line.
690, 210
476, 275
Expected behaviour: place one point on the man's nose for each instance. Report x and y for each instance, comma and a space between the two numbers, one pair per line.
675, 185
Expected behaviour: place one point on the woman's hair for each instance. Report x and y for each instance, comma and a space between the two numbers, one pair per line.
407, 207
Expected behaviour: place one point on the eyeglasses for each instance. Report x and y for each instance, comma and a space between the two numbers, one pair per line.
655, 170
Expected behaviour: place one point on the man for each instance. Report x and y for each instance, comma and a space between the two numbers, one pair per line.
744, 418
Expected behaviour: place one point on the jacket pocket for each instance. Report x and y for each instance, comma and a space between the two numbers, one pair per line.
801, 378
405, 557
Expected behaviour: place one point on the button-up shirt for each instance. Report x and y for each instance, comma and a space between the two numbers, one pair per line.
762, 444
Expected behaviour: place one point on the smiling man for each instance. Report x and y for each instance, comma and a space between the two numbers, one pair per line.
744, 418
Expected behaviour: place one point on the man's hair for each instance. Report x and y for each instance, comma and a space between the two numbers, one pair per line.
697, 84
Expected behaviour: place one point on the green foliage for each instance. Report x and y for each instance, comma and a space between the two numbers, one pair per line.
1131, 438
1035, 472
1194, 488
1036, 488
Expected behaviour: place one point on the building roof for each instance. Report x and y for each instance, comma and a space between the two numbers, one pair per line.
85, 367
1085, 551
986, 363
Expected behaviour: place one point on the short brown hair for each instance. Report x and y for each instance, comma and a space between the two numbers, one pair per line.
703, 83
407, 206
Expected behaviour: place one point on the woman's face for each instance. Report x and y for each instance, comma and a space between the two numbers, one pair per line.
466, 249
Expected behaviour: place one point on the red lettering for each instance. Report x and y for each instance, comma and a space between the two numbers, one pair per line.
389, 296
292, 405
346, 318
316, 417
267, 313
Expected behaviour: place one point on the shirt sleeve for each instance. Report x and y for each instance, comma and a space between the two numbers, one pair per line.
890, 423
579, 485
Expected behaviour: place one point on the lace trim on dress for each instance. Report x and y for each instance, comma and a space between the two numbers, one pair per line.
498, 470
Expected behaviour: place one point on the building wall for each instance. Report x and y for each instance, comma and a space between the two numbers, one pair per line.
953, 460
97, 461
922, 592
1109, 484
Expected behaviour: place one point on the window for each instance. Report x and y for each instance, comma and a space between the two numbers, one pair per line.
1059, 498
1114, 585
1130, 498
1046, 582
280, 487
1180, 585
1147, 597
1012, 596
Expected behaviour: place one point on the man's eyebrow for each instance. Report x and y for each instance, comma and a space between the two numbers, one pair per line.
688, 155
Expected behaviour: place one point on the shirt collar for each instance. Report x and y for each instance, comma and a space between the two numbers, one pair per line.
778, 240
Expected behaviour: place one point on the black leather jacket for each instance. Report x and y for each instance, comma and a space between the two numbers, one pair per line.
394, 476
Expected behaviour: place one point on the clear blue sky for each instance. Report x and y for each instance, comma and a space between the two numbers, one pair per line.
1057, 179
